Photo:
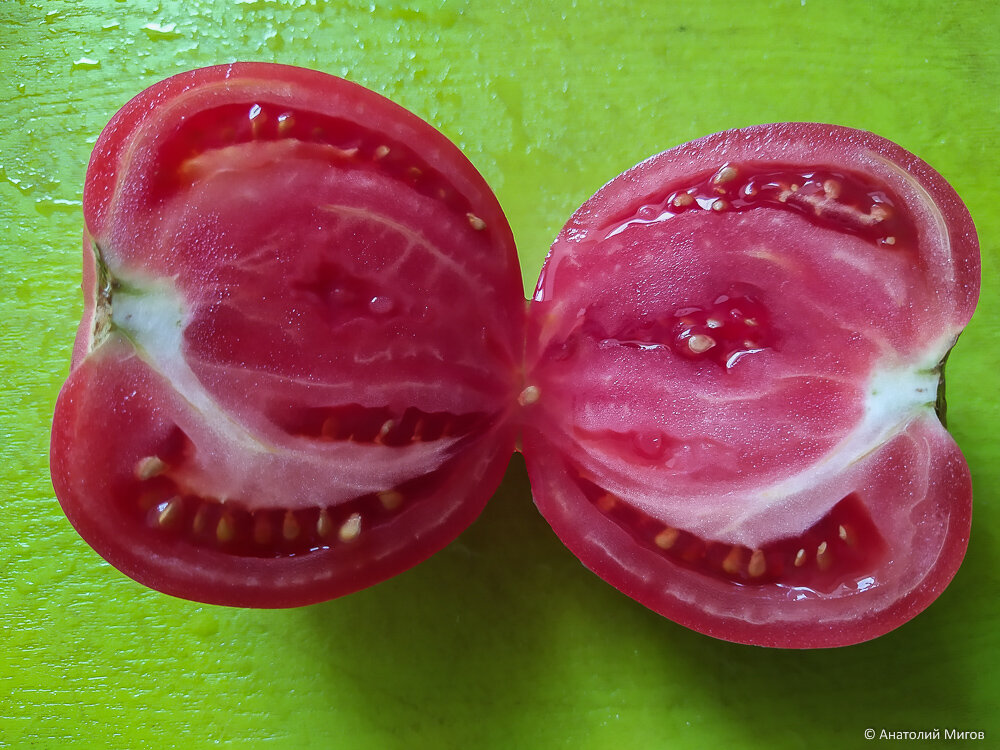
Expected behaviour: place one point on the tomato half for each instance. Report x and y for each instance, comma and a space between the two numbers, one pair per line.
301, 341
735, 364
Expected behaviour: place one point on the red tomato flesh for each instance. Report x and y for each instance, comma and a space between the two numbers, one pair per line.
303, 362
301, 340
735, 352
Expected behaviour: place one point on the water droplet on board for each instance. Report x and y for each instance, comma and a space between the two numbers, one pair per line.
161, 31
86, 63
49, 206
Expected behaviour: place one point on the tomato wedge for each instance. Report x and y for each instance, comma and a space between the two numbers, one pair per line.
735, 362
301, 341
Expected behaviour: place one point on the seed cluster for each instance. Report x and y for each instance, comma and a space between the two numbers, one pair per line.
833, 549
346, 143
843, 201
171, 508
379, 425
725, 331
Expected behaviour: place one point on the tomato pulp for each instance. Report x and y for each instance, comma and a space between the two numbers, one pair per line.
304, 362
301, 340
736, 355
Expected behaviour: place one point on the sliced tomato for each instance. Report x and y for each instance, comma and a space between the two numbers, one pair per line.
735, 364
301, 340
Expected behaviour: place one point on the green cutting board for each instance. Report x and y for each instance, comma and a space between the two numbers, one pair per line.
503, 640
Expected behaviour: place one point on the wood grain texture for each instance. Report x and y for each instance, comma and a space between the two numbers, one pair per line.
502, 640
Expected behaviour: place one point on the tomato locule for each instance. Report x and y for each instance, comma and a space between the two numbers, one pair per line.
305, 361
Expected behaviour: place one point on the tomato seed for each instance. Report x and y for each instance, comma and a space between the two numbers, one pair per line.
351, 528
824, 558
149, 467
607, 502
324, 526
390, 499
732, 562
384, 430
700, 343
201, 521
168, 513
758, 564
225, 531
529, 395
846, 533
726, 174
666, 538
290, 528
286, 121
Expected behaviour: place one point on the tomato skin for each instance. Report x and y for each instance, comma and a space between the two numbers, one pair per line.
237, 423
619, 389
300, 345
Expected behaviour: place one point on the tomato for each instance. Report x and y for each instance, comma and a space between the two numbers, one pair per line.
301, 341
735, 361
304, 362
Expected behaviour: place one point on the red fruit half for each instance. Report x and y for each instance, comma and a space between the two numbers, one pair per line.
735, 357
301, 340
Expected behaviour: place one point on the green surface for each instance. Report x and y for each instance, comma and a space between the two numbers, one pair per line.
503, 640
